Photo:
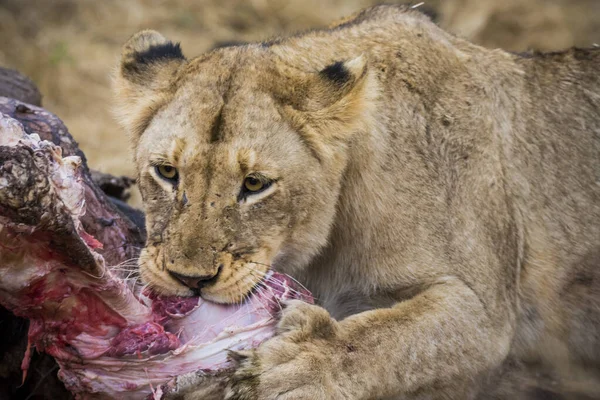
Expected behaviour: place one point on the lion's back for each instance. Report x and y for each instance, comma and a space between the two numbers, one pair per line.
555, 157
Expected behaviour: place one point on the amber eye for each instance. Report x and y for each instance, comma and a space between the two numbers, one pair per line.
167, 172
253, 185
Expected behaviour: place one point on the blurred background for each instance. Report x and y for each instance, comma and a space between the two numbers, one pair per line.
69, 47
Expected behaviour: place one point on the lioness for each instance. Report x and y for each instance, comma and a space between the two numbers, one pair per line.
441, 201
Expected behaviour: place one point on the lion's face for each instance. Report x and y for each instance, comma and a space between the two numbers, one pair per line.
230, 206
231, 183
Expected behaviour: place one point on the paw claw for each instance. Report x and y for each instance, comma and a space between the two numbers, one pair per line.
306, 319
238, 356
283, 367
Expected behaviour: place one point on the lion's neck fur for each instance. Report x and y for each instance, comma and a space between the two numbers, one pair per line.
415, 158
408, 160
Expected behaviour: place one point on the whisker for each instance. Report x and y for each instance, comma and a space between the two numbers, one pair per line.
258, 294
261, 290
289, 276
291, 289
94, 276
264, 277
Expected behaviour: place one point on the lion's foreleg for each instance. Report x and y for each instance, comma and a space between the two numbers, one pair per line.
435, 346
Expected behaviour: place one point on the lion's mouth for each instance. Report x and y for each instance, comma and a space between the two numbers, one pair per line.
236, 279
235, 291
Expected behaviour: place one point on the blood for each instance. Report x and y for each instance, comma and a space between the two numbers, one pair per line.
35, 293
92, 316
45, 290
90, 240
164, 308
148, 336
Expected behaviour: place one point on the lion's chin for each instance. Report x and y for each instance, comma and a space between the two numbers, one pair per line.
233, 290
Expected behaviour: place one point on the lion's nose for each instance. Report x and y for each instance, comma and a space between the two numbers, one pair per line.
195, 282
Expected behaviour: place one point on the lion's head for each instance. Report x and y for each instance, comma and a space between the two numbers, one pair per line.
239, 158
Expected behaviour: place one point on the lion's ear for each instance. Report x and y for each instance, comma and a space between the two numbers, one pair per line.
328, 106
144, 77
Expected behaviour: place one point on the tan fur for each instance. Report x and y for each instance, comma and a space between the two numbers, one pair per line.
441, 200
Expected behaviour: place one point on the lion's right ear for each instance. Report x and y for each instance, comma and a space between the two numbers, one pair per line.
144, 78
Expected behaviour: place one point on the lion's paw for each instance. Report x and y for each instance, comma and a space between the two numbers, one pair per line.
298, 363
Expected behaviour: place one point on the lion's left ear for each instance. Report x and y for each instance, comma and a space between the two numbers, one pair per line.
328, 106
144, 77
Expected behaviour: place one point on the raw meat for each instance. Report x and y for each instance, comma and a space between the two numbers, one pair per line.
111, 338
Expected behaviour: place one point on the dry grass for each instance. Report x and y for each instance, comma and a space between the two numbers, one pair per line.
69, 47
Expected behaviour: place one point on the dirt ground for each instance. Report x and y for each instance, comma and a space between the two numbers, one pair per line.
69, 47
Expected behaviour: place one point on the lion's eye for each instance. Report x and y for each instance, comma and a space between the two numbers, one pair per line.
167, 172
252, 184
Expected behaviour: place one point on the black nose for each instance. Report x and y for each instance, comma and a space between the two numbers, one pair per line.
195, 282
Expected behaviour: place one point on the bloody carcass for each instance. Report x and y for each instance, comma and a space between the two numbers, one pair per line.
67, 263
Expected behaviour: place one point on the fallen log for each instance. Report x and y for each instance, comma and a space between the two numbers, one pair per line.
65, 254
